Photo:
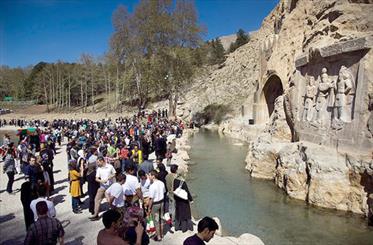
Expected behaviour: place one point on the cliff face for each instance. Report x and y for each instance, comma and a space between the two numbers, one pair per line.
305, 80
233, 83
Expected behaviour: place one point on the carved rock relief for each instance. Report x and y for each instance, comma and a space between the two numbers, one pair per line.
328, 100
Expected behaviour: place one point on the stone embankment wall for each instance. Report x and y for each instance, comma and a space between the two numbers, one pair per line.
181, 158
311, 172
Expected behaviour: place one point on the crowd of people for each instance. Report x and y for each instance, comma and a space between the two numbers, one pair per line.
111, 157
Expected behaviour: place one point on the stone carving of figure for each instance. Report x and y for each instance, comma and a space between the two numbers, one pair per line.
344, 91
309, 99
322, 94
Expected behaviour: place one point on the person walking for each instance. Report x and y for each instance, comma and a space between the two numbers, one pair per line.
9, 168
157, 190
105, 174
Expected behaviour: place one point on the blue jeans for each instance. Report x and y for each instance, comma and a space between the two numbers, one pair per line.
75, 202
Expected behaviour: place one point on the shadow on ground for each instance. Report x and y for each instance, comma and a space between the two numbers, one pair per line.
60, 198
61, 181
76, 241
14, 241
58, 189
5, 218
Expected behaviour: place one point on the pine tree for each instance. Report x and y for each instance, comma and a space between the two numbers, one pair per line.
216, 52
241, 39
219, 51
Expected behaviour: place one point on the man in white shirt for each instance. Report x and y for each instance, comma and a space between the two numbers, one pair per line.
115, 193
157, 191
131, 187
42, 192
105, 174
144, 184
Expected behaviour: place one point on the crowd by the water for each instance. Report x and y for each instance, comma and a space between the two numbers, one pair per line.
110, 159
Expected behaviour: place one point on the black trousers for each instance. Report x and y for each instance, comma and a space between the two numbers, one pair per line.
10, 181
92, 190
50, 173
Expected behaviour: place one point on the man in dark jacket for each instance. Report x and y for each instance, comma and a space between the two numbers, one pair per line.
206, 231
47, 157
160, 146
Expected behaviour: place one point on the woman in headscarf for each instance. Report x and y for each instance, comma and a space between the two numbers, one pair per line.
75, 190
183, 215
81, 163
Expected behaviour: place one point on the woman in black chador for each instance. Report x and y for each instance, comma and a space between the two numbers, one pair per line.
183, 215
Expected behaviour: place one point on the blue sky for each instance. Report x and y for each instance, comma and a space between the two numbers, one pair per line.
39, 30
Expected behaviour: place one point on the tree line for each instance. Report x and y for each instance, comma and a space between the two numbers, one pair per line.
154, 53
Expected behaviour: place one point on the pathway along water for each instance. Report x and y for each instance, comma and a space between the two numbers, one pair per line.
224, 189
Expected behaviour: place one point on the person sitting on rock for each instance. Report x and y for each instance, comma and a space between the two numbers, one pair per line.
206, 231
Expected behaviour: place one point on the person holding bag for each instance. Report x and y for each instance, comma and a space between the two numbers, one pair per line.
183, 214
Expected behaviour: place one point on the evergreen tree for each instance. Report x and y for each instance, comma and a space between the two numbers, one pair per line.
241, 39
217, 52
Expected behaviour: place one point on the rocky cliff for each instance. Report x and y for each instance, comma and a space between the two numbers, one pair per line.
301, 91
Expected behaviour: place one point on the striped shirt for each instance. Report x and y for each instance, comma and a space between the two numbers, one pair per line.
45, 230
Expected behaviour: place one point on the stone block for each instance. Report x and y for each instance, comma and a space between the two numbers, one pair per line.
331, 50
336, 49
347, 46
301, 60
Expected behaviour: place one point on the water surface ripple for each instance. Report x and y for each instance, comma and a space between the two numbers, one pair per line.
223, 188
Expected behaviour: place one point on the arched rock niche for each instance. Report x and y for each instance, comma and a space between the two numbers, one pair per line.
266, 98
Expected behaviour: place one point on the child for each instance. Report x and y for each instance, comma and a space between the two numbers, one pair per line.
75, 189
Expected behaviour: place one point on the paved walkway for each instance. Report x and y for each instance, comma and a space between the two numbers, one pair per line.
78, 228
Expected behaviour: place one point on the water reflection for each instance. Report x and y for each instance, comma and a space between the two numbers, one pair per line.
244, 204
